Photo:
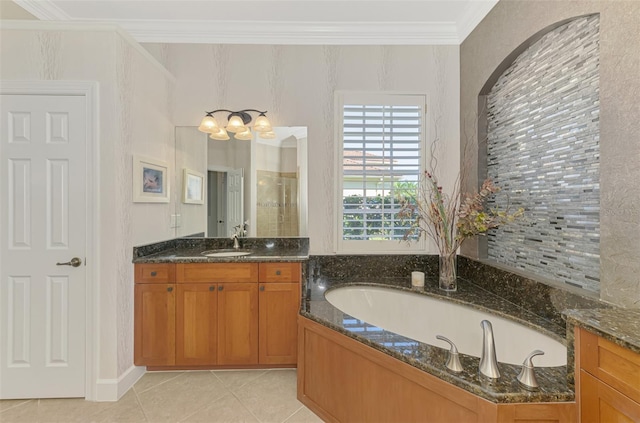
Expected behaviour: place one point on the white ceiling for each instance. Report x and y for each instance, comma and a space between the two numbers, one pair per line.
276, 21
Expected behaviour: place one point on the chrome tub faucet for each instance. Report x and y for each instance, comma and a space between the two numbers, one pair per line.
488, 360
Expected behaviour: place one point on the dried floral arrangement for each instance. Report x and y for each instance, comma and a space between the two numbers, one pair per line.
449, 219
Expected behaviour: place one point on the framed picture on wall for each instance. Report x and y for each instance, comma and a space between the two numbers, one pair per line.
192, 187
150, 180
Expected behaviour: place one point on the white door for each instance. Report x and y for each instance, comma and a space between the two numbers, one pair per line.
235, 199
221, 204
42, 223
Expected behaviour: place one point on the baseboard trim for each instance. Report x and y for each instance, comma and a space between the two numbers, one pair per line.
114, 389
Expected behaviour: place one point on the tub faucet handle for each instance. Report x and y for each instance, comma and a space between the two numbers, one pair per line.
527, 376
453, 361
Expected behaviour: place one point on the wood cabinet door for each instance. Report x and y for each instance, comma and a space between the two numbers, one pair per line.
237, 323
279, 306
154, 325
196, 324
603, 404
616, 366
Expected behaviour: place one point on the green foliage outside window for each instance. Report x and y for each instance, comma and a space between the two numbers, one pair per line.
376, 217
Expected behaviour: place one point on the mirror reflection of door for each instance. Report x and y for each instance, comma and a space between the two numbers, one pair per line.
224, 202
216, 203
235, 199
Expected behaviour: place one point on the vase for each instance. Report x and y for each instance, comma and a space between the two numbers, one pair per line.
447, 272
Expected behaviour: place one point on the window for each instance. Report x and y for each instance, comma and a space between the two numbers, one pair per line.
380, 158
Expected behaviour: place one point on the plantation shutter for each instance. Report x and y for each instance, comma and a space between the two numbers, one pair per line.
381, 160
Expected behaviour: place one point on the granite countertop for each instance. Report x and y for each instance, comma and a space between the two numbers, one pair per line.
192, 255
621, 326
431, 359
188, 250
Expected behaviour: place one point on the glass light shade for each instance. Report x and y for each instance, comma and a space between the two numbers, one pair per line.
262, 124
269, 135
208, 125
236, 124
244, 135
220, 135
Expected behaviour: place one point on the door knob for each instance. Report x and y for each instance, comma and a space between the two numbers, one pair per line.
74, 262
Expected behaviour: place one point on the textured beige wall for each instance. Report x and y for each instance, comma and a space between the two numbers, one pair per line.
133, 90
10, 10
506, 27
191, 153
296, 84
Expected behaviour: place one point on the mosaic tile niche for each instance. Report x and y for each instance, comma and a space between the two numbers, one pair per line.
543, 151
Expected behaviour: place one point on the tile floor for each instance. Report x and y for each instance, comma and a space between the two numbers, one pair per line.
199, 396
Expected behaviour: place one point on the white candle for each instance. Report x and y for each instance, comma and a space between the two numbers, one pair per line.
417, 278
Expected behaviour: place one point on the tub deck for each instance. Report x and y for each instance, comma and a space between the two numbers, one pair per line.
553, 381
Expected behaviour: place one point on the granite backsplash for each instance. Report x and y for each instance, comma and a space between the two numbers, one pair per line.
538, 298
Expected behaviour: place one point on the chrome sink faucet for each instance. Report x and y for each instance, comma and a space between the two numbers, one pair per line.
236, 243
488, 360
239, 231
235, 236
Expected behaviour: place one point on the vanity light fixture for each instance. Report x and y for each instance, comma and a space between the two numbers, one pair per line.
237, 122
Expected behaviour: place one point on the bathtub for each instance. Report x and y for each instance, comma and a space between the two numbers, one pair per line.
421, 318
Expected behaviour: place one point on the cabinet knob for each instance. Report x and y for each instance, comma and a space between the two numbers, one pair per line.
220, 288
170, 289
262, 288
154, 273
278, 272
211, 288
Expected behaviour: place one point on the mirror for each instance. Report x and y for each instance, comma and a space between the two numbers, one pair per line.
262, 182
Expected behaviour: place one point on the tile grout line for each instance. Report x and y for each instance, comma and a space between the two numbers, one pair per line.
144, 413
245, 407
163, 382
293, 414
242, 402
249, 381
205, 405
17, 405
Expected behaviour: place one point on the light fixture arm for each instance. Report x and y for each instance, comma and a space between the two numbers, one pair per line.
243, 114
238, 123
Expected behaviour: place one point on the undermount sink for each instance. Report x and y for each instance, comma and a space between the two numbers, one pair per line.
226, 253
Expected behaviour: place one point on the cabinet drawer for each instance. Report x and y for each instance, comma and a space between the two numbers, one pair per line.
217, 272
155, 272
279, 272
614, 365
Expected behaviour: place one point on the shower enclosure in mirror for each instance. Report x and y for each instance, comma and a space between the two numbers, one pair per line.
262, 182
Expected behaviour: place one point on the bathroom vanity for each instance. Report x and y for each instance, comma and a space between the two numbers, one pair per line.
193, 311
607, 344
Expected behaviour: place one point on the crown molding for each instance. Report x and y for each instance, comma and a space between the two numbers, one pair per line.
285, 32
302, 33
474, 14
45, 10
